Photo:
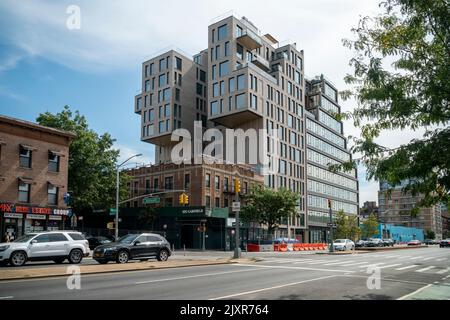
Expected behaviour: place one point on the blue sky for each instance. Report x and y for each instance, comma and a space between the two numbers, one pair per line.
96, 69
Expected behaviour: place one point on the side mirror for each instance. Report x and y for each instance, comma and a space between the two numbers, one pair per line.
136, 243
33, 241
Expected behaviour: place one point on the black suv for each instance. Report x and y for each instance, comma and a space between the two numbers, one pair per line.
134, 246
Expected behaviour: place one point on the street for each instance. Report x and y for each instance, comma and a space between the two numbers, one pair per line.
404, 274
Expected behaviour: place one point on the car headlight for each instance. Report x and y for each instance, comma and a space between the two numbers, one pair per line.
111, 249
3, 248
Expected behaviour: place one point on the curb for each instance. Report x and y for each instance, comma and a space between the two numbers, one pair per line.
391, 248
60, 275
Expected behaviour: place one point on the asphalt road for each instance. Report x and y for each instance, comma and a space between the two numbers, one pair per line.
404, 274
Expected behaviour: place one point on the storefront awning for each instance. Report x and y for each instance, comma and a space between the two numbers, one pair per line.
57, 153
27, 147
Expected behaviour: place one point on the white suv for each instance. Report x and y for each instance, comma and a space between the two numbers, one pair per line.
52, 245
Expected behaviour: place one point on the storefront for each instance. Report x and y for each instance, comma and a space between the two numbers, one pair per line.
17, 220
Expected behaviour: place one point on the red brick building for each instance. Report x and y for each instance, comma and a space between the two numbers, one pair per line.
33, 177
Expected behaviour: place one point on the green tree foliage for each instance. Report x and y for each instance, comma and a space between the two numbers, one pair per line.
346, 226
412, 35
370, 227
92, 161
268, 206
430, 234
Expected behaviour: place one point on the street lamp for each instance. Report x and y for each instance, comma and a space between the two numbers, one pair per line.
117, 192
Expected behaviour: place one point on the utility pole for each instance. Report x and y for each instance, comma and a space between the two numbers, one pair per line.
116, 225
237, 249
331, 226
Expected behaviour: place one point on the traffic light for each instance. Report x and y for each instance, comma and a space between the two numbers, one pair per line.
184, 198
237, 185
329, 203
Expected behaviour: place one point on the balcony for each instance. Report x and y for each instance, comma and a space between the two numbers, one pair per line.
250, 40
261, 62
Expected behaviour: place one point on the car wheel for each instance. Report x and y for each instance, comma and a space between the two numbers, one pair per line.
122, 257
58, 261
18, 258
75, 256
163, 255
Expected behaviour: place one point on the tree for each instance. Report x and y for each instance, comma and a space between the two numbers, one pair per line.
415, 36
370, 227
346, 226
268, 207
430, 234
92, 162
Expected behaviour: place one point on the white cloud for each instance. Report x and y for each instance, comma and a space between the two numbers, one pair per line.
4, 91
146, 150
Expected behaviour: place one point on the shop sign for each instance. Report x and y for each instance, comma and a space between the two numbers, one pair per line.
61, 212
13, 215
36, 216
191, 211
57, 218
11, 208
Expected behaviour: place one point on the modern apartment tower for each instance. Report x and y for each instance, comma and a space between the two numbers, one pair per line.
247, 80
326, 145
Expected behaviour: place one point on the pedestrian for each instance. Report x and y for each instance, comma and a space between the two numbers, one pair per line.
7, 238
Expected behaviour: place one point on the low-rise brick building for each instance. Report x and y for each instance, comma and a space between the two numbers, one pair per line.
34, 163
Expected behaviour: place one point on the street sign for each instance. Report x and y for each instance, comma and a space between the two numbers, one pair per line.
150, 200
236, 206
80, 218
98, 211
331, 225
112, 211
233, 224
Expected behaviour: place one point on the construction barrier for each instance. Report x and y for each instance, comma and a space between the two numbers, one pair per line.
284, 247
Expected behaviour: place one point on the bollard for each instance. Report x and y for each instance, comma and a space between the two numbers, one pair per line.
184, 248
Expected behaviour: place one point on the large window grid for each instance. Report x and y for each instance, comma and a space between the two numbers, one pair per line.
330, 121
319, 187
327, 134
327, 148
330, 177
326, 161
319, 202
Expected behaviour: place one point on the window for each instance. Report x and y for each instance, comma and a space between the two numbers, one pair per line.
24, 191
167, 110
161, 127
240, 82
214, 71
254, 101
147, 85
240, 101
178, 63
214, 108
151, 115
238, 31
217, 52
225, 184
217, 202
224, 68
56, 237
162, 80
76, 236
208, 180
231, 85
199, 89
24, 157
162, 64
177, 94
227, 49
222, 32
53, 162
215, 89
222, 87
207, 201
151, 68
167, 94
42, 238
168, 183
213, 35
202, 75
239, 52
217, 182
187, 181
155, 184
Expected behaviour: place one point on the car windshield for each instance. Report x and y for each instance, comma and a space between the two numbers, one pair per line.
25, 238
339, 241
129, 238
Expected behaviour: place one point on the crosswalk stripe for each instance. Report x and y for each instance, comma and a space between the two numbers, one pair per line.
336, 263
372, 265
443, 271
317, 262
441, 259
354, 264
391, 265
416, 257
429, 258
425, 269
407, 267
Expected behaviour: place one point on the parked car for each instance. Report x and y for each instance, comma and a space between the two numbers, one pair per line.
388, 242
52, 245
97, 241
374, 242
414, 243
343, 244
134, 246
444, 243
430, 242
360, 243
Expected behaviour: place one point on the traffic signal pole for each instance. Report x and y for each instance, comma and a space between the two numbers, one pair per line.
237, 248
331, 249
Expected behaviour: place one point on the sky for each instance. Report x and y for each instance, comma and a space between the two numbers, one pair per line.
96, 68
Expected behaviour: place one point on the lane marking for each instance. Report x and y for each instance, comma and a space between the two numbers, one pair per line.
441, 259
407, 267
425, 269
391, 265
337, 263
270, 288
195, 276
372, 265
429, 258
443, 271
419, 257
291, 268
354, 264
413, 293
7, 297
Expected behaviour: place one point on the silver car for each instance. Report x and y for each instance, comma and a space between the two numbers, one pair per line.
343, 244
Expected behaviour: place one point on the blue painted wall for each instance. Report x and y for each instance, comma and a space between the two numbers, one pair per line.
399, 233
